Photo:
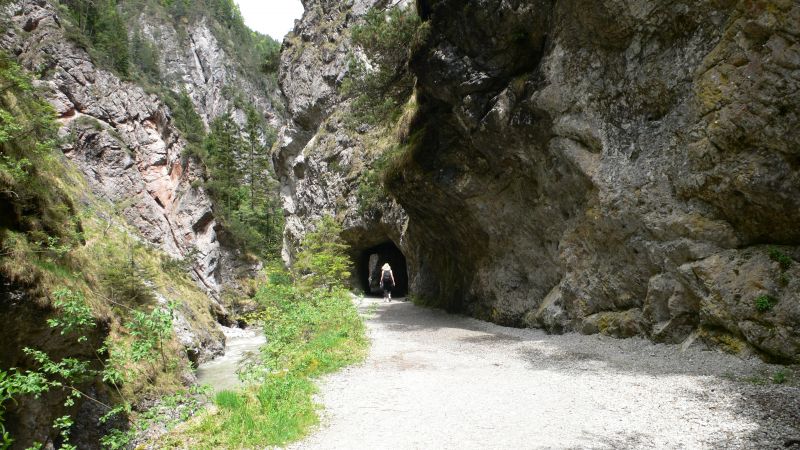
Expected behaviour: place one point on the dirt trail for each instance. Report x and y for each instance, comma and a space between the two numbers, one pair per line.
434, 381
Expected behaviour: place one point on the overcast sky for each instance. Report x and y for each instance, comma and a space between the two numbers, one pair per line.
272, 17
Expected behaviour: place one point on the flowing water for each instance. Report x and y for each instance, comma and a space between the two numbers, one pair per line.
220, 373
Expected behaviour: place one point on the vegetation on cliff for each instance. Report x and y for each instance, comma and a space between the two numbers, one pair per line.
231, 150
77, 269
107, 29
385, 39
381, 83
241, 182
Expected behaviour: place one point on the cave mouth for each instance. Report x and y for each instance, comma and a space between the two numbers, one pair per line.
369, 266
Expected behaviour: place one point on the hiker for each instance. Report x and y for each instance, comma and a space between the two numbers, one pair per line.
387, 281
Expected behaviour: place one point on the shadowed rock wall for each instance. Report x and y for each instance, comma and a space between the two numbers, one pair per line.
610, 166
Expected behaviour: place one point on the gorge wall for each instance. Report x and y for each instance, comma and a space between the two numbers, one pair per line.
319, 159
627, 167
126, 142
122, 138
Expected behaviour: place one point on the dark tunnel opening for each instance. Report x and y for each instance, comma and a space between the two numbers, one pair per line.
369, 266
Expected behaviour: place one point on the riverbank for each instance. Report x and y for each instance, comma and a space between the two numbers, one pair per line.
240, 344
309, 333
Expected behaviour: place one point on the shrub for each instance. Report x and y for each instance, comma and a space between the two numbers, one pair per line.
381, 84
145, 57
125, 282
765, 302
74, 314
185, 118
784, 260
322, 261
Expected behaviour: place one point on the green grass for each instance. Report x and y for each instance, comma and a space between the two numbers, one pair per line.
309, 334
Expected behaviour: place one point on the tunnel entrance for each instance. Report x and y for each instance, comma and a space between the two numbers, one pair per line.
369, 266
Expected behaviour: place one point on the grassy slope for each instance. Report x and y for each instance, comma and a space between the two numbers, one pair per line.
309, 334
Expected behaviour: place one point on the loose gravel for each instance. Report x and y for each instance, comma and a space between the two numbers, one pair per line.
434, 380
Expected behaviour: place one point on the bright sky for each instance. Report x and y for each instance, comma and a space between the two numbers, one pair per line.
272, 17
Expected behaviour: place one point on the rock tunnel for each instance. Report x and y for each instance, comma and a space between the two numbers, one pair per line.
368, 269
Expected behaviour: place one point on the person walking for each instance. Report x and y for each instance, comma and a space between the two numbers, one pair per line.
387, 282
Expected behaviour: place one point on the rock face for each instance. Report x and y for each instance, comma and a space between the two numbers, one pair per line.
199, 64
624, 167
319, 159
124, 142
615, 166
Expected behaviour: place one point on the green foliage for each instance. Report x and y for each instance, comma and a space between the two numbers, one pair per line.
27, 133
125, 279
779, 377
64, 423
322, 261
381, 85
185, 118
100, 23
270, 54
145, 57
241, 182
150, 331
309, 333
765, 303
228, 400
784, 260
37, 220
170, 411
78, 261
116, 440
75, 315
7, 392
371, 193
180, 265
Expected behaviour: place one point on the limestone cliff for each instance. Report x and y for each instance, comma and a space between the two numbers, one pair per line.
123, 139
127, 144
192, 58
624, 167
319, 159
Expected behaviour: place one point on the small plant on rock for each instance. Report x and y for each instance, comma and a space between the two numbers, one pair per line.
765, 302
781, 258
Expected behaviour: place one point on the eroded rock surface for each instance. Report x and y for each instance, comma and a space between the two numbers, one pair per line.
195, 61
320, 158
615, 166
129, 151
623, 167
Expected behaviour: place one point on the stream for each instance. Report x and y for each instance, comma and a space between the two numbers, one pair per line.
220, 373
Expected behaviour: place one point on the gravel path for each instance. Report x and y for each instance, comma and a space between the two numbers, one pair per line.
434, 381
